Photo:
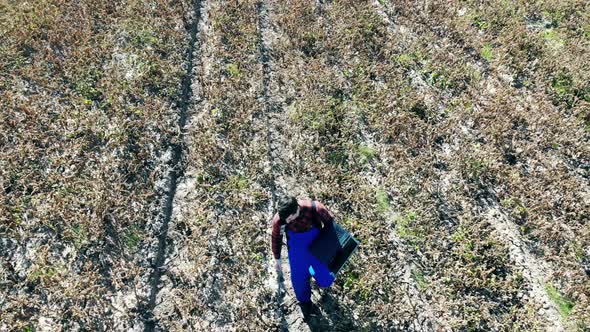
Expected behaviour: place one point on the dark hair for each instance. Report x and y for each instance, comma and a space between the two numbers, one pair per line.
286, 206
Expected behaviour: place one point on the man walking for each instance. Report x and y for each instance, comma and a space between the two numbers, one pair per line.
302, 221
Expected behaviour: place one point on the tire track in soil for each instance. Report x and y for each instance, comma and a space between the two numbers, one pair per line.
282, 179
273, 119
425, 319
194, 293
535, 270
174, 169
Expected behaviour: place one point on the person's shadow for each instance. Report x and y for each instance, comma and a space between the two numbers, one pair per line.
331, 315
284, 325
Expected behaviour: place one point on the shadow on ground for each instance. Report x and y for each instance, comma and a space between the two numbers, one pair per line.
331, 315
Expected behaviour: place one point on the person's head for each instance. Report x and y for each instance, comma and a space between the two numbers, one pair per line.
288, 208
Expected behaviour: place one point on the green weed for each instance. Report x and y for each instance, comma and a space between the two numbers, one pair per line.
143, 36
466, 248
201, 221
318, 119
79, 235
17, 215
237, 183
507, 202
480, 23
359, 71
87, 90
403, 59
351, 223
367, 153
132, 237
408, 59
472, 74
232, 70
555, 16
553, 38
256, 257
353, 282
382, 201
486, 52
45, 273
419, 278
562, 84
85, 86
350, 279
564, 305
459, 235
467, 251
565, 90
515, 206
577, 250
404, 227
438, 79
476, 167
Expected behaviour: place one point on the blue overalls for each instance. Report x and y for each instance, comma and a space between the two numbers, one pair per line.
303, 264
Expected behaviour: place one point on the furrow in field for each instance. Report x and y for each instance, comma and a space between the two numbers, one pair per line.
447, 215
175, 168
536, 271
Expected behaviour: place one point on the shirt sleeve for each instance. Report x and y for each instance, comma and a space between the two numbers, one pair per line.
277, 237
325, 215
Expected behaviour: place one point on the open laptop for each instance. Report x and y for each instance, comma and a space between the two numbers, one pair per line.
333, 247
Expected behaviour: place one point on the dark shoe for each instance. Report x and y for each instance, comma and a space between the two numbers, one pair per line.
306, 308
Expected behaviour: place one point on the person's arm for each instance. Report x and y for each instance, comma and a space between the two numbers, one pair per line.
276, 240
325, 215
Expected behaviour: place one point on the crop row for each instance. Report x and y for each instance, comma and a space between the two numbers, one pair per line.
382, 87
531, 146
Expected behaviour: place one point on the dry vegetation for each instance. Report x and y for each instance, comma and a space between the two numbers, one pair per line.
88, 94
452, 139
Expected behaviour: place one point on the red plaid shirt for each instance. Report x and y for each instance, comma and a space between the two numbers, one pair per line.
303, 223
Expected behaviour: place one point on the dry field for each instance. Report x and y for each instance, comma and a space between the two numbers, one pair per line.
143, 145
